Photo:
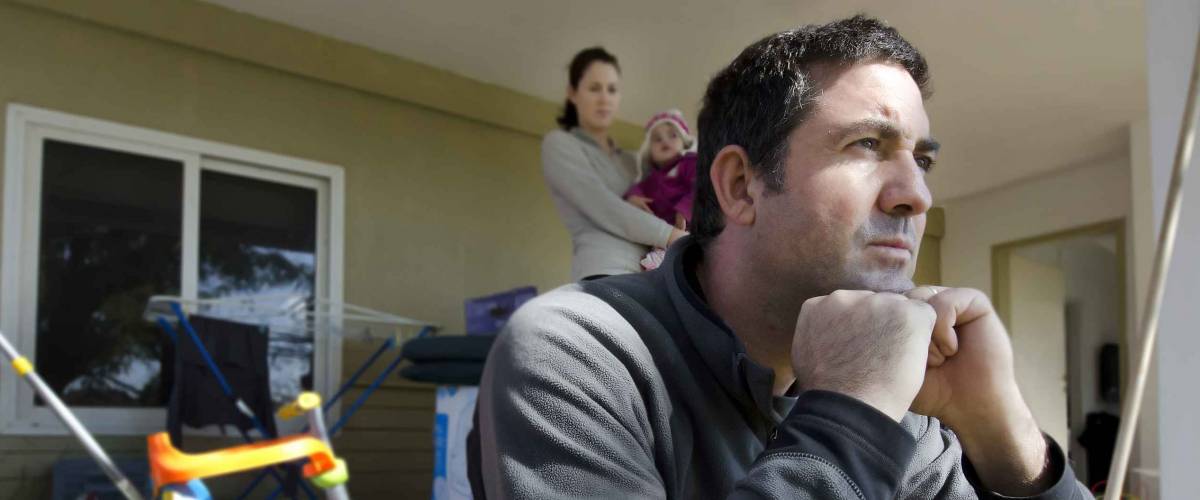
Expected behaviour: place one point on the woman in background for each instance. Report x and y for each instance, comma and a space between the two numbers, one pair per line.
587, 175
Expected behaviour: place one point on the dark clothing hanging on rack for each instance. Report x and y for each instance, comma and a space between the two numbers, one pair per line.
240, 351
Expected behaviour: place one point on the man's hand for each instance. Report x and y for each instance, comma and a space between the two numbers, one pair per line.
641, 202
971, 387
871, 346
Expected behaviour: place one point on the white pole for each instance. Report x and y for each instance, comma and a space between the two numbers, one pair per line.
25, 369
1132, 406
316, 424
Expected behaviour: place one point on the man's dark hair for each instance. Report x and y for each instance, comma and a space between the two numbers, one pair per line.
766, 92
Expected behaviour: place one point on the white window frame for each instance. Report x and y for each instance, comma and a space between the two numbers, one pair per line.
27, 128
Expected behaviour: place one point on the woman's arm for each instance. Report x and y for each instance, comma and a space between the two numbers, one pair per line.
569, 175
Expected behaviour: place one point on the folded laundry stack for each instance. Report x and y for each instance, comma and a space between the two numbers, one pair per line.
454, 360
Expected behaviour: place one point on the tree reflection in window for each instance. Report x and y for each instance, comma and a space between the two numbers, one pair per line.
110, 236
259, 238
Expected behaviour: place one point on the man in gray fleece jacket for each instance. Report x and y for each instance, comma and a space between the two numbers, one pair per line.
782, 350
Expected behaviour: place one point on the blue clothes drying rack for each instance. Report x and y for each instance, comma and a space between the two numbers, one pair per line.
388, 344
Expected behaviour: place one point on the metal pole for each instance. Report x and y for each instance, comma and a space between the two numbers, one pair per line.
25, 369
316, 422
1132, 406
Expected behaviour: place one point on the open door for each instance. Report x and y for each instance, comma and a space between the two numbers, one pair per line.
1037, 299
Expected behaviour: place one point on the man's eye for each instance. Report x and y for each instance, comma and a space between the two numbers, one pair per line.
869, 143
926, 163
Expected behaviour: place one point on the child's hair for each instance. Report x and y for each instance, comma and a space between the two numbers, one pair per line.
674, 117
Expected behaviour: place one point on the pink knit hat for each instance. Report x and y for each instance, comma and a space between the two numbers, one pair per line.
673, 117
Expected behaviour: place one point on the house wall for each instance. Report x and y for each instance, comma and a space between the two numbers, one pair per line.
1067, 199
1083, 195
1170, 54
444, 196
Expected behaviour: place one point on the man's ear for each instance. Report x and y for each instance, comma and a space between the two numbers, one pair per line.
571, 94
731, 179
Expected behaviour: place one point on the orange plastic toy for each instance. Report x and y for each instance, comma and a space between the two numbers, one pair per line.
168, 465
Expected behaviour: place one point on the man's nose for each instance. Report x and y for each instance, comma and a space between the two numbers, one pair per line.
904, 191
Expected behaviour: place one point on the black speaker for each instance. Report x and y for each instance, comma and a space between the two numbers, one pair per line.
1110, 373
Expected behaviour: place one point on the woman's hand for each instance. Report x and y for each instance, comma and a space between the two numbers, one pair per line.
676, 233
641, 202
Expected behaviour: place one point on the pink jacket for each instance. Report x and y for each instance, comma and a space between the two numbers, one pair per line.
671, 188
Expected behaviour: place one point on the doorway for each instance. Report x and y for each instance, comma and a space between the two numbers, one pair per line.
1062, 297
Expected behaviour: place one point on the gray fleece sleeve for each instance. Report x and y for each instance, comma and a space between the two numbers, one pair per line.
831, 446
563, 413
569, 175
567, 410
559, 417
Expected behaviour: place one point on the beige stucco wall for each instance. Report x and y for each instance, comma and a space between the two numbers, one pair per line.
444, 197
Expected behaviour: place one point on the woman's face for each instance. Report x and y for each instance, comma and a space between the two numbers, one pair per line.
597, 96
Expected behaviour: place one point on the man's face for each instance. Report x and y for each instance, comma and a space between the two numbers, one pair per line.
852, 210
